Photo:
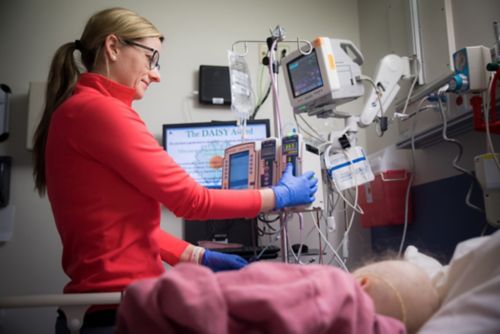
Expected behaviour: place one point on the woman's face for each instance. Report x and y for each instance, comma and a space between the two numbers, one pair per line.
135, 65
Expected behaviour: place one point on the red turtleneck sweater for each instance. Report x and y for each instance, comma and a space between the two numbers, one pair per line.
106, 178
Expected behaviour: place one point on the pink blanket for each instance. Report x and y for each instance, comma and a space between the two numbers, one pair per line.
263, 297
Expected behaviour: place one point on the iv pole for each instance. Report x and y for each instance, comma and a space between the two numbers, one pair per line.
277, 36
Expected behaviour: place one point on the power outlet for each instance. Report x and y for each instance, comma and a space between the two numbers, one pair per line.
283, 50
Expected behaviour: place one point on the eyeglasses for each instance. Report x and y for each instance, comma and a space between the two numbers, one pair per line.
154, 59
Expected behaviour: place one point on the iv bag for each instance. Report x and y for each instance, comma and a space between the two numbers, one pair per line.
242, 96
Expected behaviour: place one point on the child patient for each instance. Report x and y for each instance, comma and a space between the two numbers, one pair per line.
384, 297
401, 290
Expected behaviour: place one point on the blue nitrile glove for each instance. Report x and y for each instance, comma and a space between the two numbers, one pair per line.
295, 190
220, 261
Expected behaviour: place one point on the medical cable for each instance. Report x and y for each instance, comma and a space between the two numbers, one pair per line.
379, 132
460, 151
316, 134
260, 103
410, 91
408, 189
410, 181
265, 248
332, 202
261, 100
363, 77
262, 217
325, 239
297, 256
300, 129
356, 208
261, 76
489, 94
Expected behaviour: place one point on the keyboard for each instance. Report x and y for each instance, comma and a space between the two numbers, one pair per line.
250, 252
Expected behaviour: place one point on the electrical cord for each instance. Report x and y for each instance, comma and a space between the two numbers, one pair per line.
257, 107
460, 151
363, 77
316, 134
355, 207
378, 93
325, 239
489, 94
408, 190
410, 91
262, 218
297, 256
266, 95
265, 248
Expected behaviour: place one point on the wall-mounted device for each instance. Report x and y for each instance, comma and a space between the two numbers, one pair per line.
214, 85
303, 158
388, 73
470, 69
239, 170
4, 111
488, 175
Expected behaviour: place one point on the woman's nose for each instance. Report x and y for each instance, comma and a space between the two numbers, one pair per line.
154, 74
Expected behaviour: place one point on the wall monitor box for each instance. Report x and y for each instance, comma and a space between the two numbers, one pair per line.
214, 85
4, 111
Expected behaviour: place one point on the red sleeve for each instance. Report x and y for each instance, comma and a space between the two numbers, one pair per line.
171, 247
121, 141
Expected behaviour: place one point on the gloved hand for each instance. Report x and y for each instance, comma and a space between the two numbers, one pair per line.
295, 190
219, 261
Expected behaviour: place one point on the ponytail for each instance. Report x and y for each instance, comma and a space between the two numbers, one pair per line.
63, 75
64, 72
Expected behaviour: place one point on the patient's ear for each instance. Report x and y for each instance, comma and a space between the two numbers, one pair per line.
364, 281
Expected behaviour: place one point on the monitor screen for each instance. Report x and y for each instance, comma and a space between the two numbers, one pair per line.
305, 74
199, 147
238, 170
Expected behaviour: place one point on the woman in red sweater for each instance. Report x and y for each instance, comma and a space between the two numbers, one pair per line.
105, 174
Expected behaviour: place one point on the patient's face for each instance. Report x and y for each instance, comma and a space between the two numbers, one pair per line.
399, 289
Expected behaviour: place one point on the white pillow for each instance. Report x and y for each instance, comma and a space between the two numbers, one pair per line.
470, 287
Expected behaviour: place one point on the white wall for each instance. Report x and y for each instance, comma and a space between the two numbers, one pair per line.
471, 23
197, 32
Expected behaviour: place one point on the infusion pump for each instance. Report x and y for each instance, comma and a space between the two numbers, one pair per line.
254, 165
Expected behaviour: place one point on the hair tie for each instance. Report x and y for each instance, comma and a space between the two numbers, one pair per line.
78, 45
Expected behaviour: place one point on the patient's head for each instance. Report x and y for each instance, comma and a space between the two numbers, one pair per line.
401, 290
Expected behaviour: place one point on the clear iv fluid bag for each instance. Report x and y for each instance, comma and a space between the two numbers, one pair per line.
242, 96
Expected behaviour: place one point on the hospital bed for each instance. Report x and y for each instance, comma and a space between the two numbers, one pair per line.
469, 287
73, 305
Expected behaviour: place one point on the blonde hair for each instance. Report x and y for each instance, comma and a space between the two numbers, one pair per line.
64, 70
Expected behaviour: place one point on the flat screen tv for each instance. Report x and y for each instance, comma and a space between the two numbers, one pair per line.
199, 147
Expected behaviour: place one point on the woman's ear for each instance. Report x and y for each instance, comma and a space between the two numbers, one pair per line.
111, 47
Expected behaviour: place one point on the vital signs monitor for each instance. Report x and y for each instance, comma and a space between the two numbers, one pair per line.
324, 77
